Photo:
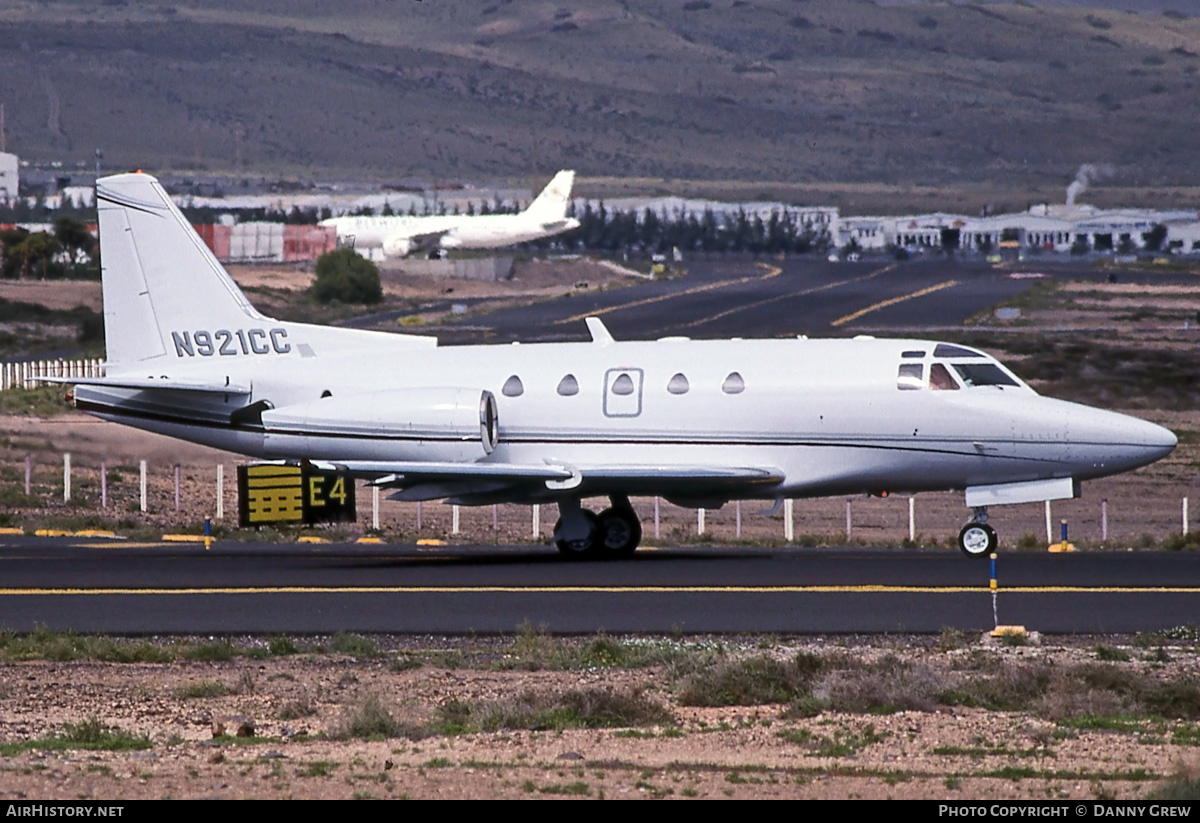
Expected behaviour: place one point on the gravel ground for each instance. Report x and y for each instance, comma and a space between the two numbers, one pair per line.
300, 703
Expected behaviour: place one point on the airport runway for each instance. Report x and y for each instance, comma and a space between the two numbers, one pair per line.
132, 587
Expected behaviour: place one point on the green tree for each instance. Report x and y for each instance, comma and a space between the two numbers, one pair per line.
79, 245
1154, 238
345, 276
31, 256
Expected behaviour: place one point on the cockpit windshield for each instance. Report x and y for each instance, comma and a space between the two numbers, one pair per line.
972, 370
983, 374
940, 378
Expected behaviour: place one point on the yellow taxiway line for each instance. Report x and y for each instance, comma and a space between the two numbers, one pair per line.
864, 589
772, 271
801, 293
883, 304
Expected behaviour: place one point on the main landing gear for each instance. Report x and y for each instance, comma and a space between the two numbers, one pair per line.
614, 532
977, 538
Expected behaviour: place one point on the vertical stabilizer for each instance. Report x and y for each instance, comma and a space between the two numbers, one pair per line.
551, 204
158, 275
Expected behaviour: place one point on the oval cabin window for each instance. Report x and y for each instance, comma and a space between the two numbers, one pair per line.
568, 386
623, 385
513, 387
734, 384
678, 384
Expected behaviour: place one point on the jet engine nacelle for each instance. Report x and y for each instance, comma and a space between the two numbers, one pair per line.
438, 424
397, 247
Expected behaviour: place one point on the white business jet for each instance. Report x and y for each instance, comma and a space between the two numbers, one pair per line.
698, 422
400, 236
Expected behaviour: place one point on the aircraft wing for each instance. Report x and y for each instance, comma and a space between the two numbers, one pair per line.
402, 245
519, 482
162, 383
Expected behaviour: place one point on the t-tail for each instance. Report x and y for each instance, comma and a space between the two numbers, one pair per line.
160, 281
169, 304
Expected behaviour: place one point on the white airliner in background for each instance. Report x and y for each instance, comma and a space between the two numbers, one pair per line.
698, 422
401, 236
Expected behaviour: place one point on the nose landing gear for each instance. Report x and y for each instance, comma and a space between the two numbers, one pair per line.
977, 538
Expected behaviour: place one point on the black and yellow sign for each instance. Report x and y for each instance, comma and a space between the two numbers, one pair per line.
274, 494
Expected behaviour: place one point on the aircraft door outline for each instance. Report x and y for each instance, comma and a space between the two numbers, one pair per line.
623, 392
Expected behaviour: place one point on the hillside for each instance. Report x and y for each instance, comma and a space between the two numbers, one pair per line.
750, 91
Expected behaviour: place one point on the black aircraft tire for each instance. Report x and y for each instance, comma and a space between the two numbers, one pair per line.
977, 540
586, 547
619, 532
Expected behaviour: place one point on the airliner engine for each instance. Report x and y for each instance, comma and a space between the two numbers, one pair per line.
397, 247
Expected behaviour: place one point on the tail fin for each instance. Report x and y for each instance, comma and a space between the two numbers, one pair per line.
551, 204
158, 275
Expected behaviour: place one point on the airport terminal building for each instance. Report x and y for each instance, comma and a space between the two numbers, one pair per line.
1044, 227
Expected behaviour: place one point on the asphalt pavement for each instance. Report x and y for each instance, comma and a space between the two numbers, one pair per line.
149, 587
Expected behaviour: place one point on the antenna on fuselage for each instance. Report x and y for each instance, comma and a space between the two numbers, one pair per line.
599, 333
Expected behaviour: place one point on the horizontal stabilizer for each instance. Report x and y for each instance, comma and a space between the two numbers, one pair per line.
158, 383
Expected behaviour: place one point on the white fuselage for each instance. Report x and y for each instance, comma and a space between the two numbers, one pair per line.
401, 236
831, 416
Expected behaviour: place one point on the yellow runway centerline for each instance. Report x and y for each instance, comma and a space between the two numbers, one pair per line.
865, 589
883, 304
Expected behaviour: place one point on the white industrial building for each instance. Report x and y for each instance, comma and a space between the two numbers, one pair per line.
1043, 227
9, 177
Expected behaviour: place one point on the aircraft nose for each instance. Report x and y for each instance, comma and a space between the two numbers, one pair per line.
1123, 442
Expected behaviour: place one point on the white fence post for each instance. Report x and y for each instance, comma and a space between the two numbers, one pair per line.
912, 520
454, 519
375, 508
537, 518
66, 477
789, 521
220, 491
699, 521
1049, 525
142, 483
104, 484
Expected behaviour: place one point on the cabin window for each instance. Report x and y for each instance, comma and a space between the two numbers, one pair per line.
734, 384
568, 386
623, 385
326, 393
940, 378
678, 384
513, 387
912, 353
911, 376
983, 374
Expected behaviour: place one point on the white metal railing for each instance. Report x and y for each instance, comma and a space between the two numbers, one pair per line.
28, 375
